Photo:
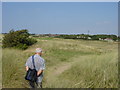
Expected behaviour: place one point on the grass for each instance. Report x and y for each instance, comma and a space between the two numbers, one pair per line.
92, 72
69, 64
0, 68
1, 36
13, 68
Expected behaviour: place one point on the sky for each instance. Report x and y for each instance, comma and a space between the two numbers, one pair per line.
61, 17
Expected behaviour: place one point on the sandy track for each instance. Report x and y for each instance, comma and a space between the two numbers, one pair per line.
55, 71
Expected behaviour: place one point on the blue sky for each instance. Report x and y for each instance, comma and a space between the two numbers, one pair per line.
61, 17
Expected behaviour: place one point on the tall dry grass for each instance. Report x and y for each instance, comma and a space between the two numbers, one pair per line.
88, 64
95, 71
13, 69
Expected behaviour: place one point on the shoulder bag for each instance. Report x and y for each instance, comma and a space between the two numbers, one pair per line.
31, 74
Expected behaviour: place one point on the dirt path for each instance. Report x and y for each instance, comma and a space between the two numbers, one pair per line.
55, 71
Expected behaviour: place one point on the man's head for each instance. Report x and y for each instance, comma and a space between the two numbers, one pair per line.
38, 51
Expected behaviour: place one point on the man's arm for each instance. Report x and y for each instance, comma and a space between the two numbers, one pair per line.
39, 72
27, 64
42, 67
27, 68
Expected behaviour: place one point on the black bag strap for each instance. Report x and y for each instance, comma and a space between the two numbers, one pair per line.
33, 61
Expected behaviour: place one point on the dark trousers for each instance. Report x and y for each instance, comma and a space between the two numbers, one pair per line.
35, 84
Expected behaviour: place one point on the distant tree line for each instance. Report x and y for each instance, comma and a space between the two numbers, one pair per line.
18, 39
90, 37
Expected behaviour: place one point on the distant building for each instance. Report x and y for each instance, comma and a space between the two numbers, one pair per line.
101, 39
81, 37
109, 39
89, 38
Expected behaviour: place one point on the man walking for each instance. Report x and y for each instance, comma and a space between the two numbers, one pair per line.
39, 66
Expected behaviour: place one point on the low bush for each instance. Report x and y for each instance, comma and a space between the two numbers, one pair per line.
18, 39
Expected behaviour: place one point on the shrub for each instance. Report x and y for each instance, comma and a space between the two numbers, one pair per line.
18, 39
22, 46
